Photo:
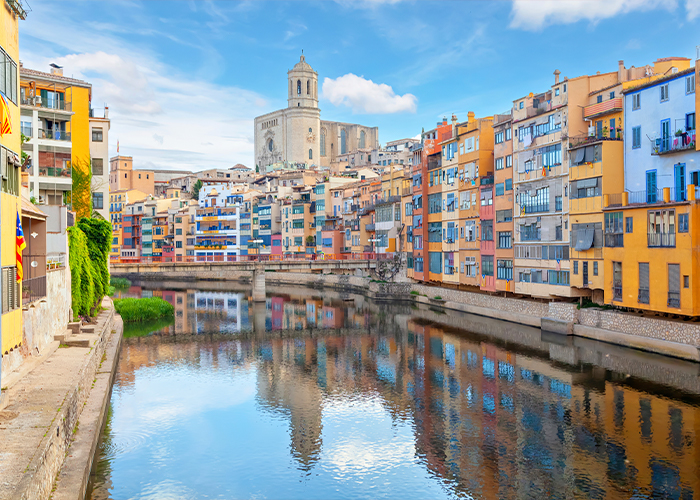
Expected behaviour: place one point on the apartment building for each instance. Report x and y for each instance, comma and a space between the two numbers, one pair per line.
63, 133
448, 181
503, 200
419, 229
218, 220
649, 229
298, 229
122, 176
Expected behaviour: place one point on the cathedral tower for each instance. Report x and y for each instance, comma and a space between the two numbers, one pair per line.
303, 85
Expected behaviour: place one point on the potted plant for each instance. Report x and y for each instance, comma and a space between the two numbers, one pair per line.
679, 133
605, 131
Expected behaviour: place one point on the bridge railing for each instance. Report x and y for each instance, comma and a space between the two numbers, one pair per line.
253, 258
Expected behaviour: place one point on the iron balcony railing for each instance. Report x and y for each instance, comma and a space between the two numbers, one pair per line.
56, 135
661, 239
674, 299
54, 172
617, 291
643, 296
613, 240
530, 209
673, 144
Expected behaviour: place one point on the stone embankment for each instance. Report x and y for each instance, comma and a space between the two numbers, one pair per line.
55, 407
676, 338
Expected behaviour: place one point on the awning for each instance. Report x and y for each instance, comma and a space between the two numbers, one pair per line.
587, 183
590, 154
29, 210
580, 155
584, 241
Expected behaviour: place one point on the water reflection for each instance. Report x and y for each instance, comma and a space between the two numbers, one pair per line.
317, 397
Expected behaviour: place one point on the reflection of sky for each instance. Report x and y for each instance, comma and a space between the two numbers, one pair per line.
183, 432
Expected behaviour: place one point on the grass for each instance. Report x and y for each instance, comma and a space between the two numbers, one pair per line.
119, 282
143, 309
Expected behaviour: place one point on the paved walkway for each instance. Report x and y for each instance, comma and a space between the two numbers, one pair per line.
39, 422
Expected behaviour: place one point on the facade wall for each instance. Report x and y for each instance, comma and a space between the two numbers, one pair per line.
503, 176
99, 150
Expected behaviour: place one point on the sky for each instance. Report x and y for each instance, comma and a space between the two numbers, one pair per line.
184, 80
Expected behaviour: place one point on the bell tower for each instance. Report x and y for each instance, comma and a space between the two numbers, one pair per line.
302, 81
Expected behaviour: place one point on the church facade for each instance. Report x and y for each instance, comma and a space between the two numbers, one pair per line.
297, 136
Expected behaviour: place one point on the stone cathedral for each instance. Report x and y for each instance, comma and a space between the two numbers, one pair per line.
297, 135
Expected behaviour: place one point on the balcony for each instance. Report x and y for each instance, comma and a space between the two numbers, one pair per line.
617, 291
582, 140
531, 209
602, 108
669, 145
55, 104
643, 296
487, 181
674, 300
656, 240
55, 172
56, 135
614, 240
369, 227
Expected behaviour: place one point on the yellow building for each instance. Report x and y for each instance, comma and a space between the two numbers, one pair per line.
10, 157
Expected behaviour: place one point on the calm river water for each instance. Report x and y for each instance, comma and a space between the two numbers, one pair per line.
321, 395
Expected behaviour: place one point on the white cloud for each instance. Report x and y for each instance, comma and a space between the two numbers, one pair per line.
533, 15
162, 115
693, 8
365, 96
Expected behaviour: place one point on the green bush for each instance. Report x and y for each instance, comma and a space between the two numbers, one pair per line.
111, 290
144, 309
119, 282
99, 241
89, 243
413, 292
437, 297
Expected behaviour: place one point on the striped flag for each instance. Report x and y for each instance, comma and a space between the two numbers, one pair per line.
21, 245
5, 122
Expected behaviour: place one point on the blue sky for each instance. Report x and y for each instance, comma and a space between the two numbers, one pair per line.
184, 79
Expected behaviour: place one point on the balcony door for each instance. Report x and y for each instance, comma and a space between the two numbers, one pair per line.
665, 135
585, 273
651, 186
679, 181
617, 281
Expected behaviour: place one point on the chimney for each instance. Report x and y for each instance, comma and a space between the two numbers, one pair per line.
56, 69
454, 119
556, 76
444, 120
106, 111
470, 117
621, 71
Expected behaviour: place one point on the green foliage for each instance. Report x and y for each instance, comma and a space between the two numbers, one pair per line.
89, 244
119, 282
195, 189
145, 328
413, 292
437, 297
81, 195
111, 290
144, 309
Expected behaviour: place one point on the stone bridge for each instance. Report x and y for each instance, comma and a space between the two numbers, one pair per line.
192, 271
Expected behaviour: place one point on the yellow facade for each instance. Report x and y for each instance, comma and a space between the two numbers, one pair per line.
625, 285
9, 196
117, 203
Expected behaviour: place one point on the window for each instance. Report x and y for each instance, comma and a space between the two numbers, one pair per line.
674, 285
629, 224
8, 76
690, 84
504, 215
96, 134
504, 270
534, 200
509, 184
522, 103
499, 137
556, 91
682, 223
613, 229
664, 92
10, 287
499, 189
558, 277
311, 154
487, 265
505, 239
499, 163
97, 201
661, 229
636, 101
586, 188
435, 232
557, 203
435, 203
575, 267
97, 166
599, 98
487, 230
509, 160
178, 231
529, 232
323, 142
689, 122
435, 262
612, 95
636, 137
178, 244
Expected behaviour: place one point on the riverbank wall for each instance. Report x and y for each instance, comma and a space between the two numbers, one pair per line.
677, 338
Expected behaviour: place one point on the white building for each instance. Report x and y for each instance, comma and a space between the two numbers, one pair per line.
218, 231
660, 127
297, 135
99, 155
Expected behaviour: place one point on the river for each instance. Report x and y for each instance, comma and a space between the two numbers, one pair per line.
319, 394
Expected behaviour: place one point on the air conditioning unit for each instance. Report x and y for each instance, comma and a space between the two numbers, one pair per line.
37, 100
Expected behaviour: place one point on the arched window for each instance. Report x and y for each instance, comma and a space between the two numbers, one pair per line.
362, 139
311, 154
309, 130
323, 142
298, 87
343, 143
308, 87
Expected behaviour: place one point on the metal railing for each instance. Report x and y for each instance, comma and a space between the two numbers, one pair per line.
615, 200
661, 239
54, 172
674, 299
672, 144
253, 258
56, 135
614, 240
33, 289
643, 296
617, 291
530, 209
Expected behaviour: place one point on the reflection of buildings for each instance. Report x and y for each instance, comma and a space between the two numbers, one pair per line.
218, 312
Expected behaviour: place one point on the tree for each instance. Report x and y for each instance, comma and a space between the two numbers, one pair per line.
310, 241
195, 189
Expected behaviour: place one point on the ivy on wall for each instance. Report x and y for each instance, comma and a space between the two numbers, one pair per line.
89, 244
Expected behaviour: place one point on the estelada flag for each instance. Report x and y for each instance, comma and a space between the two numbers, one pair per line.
5, 122
21, 245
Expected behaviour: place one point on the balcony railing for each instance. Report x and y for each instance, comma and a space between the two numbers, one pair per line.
617, 291
529, 209
614, 240
54, 172
33, 289
56, 135
673, 144
661, 239
582, 140
674, 299
602, 108
643, 296
369, 227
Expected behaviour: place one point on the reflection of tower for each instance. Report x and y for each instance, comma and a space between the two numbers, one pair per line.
293, 389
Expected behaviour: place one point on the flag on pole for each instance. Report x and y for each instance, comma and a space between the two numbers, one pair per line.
5, 121
117, 146
20, 245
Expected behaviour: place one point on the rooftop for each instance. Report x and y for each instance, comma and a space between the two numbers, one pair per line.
33, 73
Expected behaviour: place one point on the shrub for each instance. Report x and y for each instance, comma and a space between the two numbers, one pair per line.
119, 282
413, 292
144, 309
89, 243
437, 297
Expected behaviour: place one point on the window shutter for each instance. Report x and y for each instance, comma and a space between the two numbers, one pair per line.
674, 278
644, 276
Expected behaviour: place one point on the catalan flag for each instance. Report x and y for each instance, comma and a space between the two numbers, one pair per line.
20, 245
5, 122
